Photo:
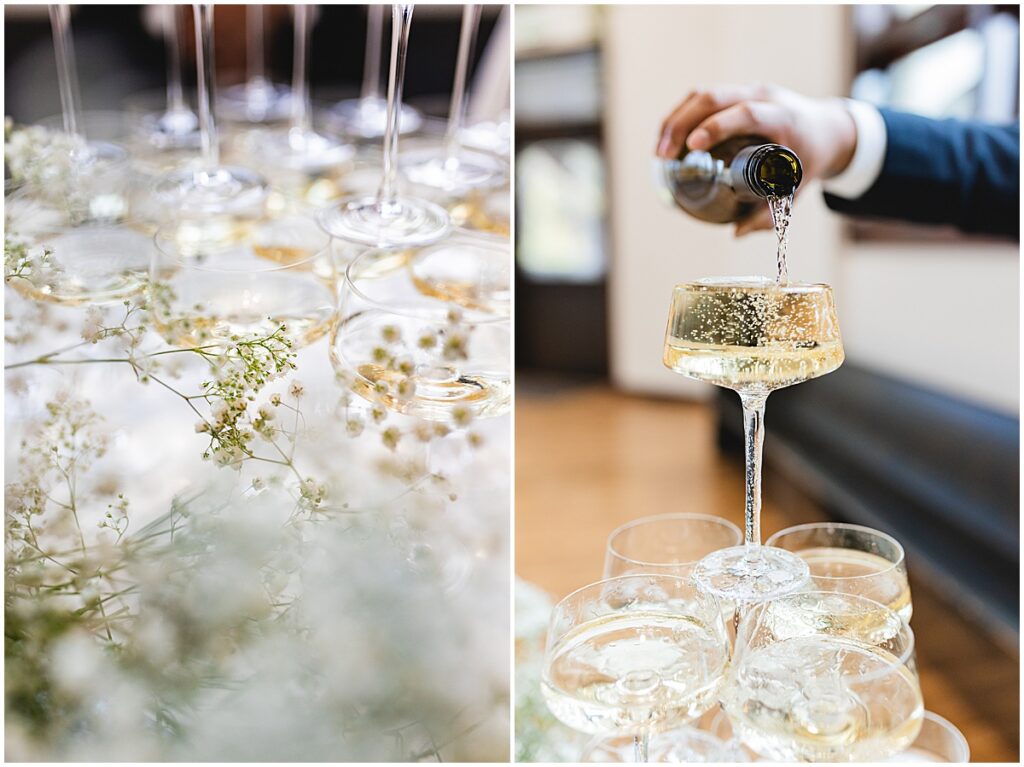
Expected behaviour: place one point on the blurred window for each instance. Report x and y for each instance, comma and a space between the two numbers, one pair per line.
560, 196
939, 60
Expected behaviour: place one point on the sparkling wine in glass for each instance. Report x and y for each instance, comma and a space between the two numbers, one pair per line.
752, 335
426, 333
271, 273
851, 559
665, 544
812, 682
633, 656
367, 116
457, 169
389, 220
211, 188
298, 146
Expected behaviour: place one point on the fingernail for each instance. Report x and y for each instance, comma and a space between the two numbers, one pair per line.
699, 139
665, 147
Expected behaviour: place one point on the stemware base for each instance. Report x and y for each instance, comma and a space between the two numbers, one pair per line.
367, 118
465, 171
223, 189
304, 150
748, 574
173, 129
256, 101
405, 222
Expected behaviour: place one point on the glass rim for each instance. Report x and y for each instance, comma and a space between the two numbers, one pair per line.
680, 515
952, 730
751, 281
902, 659
901, 560
184, 261
349, 281
627, 576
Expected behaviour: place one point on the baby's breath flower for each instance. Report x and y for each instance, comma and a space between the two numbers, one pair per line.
454, 316
476, 439
427, 340
296, 389
456, 345
406, 389
266, 413
391, 333
202, 427
405, 365
461, 415
390, 437
423, 432
275, 399
354, 426
92, 330
378, 414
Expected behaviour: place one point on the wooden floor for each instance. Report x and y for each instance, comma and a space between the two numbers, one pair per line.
588, 460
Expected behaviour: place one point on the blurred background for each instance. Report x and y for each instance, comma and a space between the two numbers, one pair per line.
917, 434
120, 53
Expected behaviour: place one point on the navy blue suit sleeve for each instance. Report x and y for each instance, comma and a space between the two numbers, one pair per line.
945, 172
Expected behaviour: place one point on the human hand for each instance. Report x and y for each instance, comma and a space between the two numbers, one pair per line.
820, 131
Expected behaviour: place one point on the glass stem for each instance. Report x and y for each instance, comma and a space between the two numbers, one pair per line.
457, 108
300, 79
175, 92
371, 63
67, 75
753, 434
203, 14
640, 744
254, 44
401, 20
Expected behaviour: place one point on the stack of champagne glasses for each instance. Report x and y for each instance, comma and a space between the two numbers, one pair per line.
251, 210
703, 645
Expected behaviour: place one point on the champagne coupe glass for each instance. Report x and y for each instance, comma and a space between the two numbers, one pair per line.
177, 127
457, 169
275, 272
257, 100
387, 219
671, 544
851, 559
938, 741
665, 544
426, 332
633, 656
819, 677
299, 146
211, 188
752, 335
367, 116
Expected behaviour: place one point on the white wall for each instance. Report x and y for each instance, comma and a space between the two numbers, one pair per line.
917, 312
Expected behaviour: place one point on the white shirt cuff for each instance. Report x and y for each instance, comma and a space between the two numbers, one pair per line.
868, 156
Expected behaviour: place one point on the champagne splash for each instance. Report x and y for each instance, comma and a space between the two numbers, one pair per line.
781, 209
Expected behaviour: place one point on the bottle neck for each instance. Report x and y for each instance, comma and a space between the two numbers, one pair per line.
765, 170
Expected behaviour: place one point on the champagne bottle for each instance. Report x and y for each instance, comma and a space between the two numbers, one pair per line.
724, 184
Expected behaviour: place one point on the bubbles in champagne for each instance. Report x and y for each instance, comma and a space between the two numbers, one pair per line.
824, 698
751, 334
635, 672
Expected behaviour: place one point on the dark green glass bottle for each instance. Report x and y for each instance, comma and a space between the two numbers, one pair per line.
726, 183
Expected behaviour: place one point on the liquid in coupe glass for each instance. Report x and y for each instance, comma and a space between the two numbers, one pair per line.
752, 335
634, 655
812, 681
